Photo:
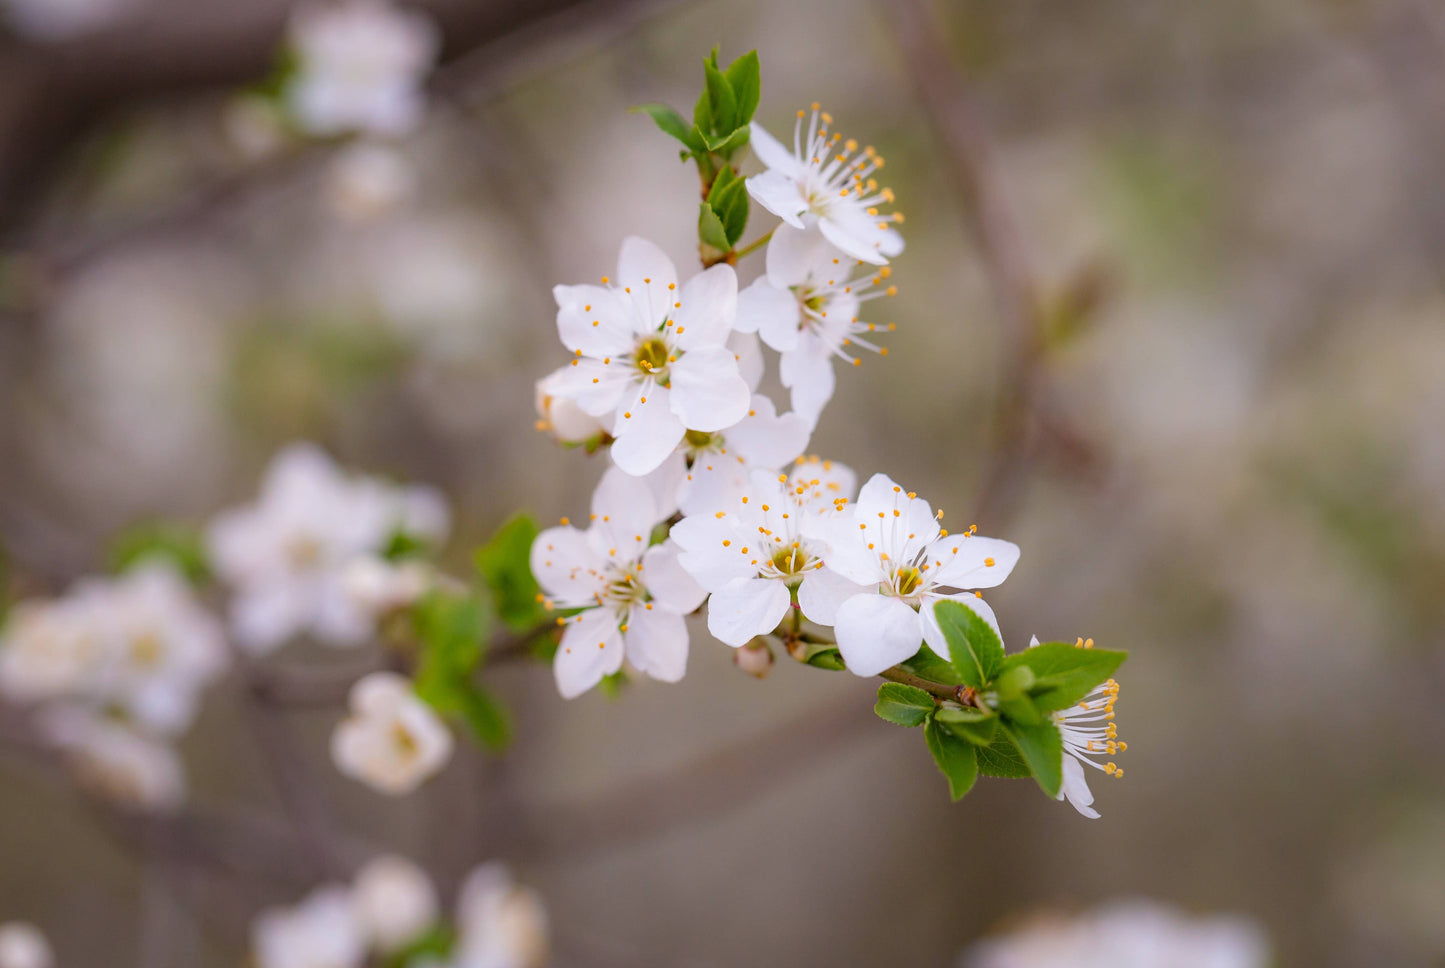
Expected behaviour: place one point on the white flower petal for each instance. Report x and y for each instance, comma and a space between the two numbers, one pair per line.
780, 195
709, 308
708, 392
822, 592
749, 355
646, 428
771, 151
668, 582
971, 562
596, 387
566, 566
875, 632
803, 256
764, 439
1076, 788
595, 321
657, 643
808, 374
623, 514
857, 233
590, 649
771, 312
745, 608
641, 264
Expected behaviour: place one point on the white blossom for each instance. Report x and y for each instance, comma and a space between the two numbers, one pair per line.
499, 924
1127, 934
381, 586
1088, 732
323, 931
633, 597
361, 64
286, 555
392, 741
827, 181
561, 417
806, 306
116, 761
650, 358
394, 901
50, 649
900, 563
765, 546
23, 946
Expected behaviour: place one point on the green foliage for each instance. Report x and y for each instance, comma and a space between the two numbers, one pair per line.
505, 565
718, 131
452, 630
978, 726
1002, 758
1042, 749
435, 945
1062, 673
1013, 695
903, 705
974, 646
182, 547
955, 757
613, 683
926, 664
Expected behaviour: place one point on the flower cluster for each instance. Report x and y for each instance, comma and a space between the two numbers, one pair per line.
708, 499
392, 741
1130, 934
391, 911
118, 666
308, 556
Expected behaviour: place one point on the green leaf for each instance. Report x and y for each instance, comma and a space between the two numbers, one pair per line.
830, 659
505, 565
432, 946
1043, 750
613, 683
725, 145
1064, 673
974, 725
735, 212
926, 664
903, 705
673, 124
722, 102
975, 648
453, 630
744, 76
1002, 758
181, 547
710, 229
955, 758
486, 715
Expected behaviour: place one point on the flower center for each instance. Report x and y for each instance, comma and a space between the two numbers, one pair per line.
789, 561
146, 650
907, 580
652, 356
303, 551
697, 440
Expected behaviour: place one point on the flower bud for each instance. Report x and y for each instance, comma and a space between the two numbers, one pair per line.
563, 419
755, 658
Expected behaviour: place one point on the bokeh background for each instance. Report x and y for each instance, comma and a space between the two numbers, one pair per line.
1230, 460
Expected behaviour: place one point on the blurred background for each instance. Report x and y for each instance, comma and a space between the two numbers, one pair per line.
1220, 447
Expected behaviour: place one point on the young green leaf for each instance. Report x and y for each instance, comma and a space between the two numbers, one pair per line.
1063, 672
830, 659
505, 565
726, 145
903, 705
721, 99
672, 123
974, 725
1002, 758
926, 664
955, 758
744, 75
1043, 750
975, 648
710, 229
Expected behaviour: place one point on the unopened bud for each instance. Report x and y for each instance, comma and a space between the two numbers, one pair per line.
755, 658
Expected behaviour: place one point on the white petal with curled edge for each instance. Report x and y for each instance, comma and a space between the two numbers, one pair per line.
780, 195
798, 256
875, 632
590, 649
670, 585
971, 562
771, 312
657, 643
746, 608
709, 308
771, 151
933, 634
708, 392
596, 387
823, 592
857, 234
646, 429
1076, 788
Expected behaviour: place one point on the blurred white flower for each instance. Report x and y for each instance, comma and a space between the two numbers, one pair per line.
633, 596
826, 181
51, 21
380, 586
361, 67
392, 741
368, 180
806, 307
286, 555
650, 357
901, 564
759, 550
49, 649
499, 924
323, 931
115, 761
23, 946
395, 902
1131, 934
